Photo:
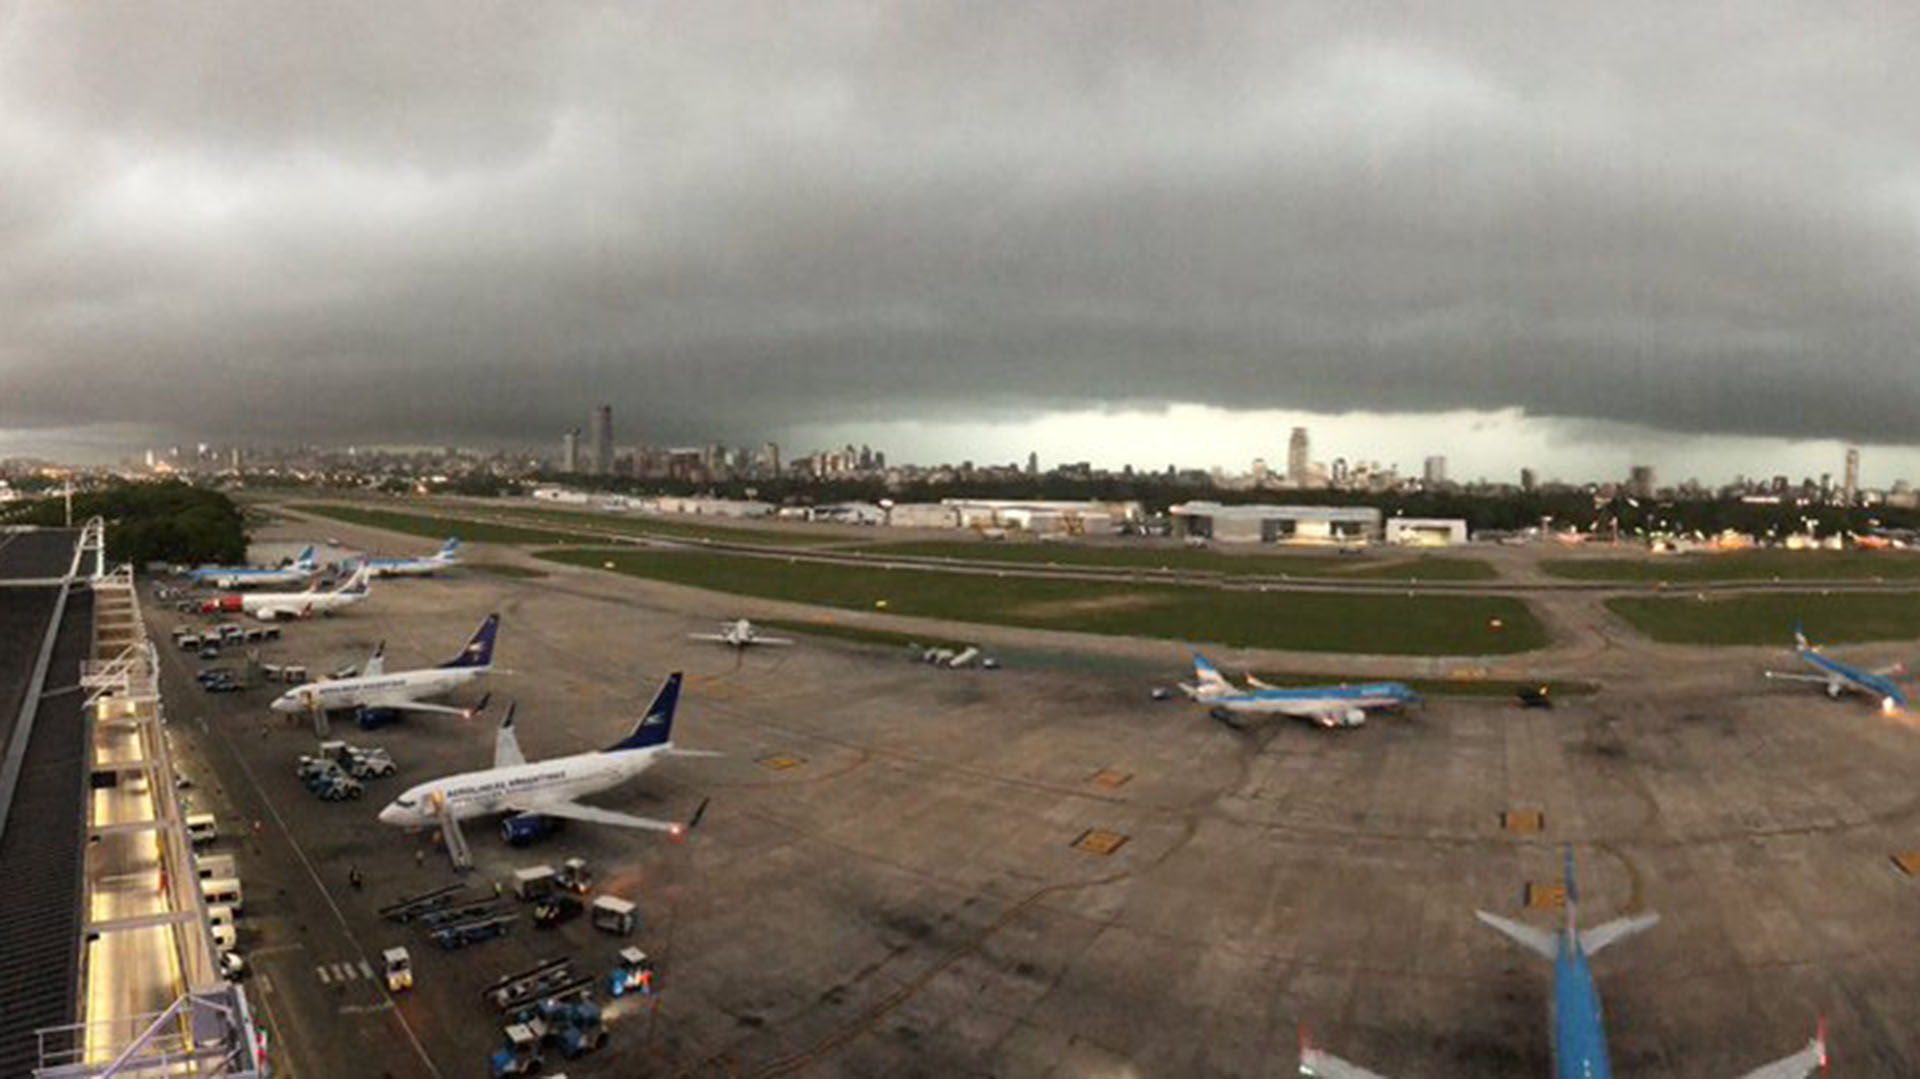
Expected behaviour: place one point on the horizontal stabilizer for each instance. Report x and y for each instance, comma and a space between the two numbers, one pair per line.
1800, 1065
1593, 940
1534, 940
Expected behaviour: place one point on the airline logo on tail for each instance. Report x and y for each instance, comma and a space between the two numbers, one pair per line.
479, 649
656, 726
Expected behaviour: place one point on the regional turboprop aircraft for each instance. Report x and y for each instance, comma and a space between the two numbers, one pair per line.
738, 633
1579, 1031
1327, 706
1839, 677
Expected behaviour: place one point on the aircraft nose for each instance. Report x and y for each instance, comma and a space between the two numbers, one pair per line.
391, 814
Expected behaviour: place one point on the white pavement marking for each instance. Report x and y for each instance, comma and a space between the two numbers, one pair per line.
366, 970
321, 970
313, 874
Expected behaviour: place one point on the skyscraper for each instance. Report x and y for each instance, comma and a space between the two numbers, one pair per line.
1297, 458
600, 438
1528, 481
1434, 471
1850, 490
570, 451
1640, 481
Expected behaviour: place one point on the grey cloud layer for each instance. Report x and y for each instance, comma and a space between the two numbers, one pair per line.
472, 220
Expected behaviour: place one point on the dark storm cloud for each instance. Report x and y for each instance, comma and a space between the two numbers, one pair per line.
473, 220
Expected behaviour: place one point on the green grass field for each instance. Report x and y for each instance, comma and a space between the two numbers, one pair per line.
438, 527
502, 569
1768, 618
1316, 622
1743, 566
665, 528
1303, 564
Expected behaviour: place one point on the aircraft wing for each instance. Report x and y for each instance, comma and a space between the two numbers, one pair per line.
596, 815
1528, 937
408, 704
721, 637
1799, 1065
1598, 937
1319, 1065
756, 639
1795, 676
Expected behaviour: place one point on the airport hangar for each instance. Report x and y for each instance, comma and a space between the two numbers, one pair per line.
1342, 525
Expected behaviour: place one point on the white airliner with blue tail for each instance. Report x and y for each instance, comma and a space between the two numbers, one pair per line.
1840, 678
1326, 706
524, 790
1579, 1029
293, 572
375, 688
447, 557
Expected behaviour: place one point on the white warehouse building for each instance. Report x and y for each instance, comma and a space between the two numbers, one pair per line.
1043, 517
1425, 531
1345, 525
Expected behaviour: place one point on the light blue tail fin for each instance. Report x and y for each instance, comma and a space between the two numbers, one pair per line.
450, 548
656, 726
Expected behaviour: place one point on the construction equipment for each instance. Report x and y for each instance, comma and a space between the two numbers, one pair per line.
399, 969
407, 908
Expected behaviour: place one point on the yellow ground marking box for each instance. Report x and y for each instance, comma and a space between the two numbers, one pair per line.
1523, 821
1908, 862
781, 762
1544, 895
1095, 841
1111, 778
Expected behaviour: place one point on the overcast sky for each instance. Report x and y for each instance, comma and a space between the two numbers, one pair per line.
1088, 225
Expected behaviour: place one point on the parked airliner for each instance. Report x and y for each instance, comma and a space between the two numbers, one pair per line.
550, 788
446, 557
293, 572
269, 606
375, 688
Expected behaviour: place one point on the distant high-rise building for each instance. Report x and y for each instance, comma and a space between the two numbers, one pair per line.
1640, 481
770, 459
1528, 481
600, 439
1033, 463
1434, 471
1297, 457
1260, 474
1851, 489
570, 451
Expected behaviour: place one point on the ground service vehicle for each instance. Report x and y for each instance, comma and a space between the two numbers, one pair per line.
465, 933
201, 828
632, 973
557, 908
519, 1056
534, 882
399, 969
612, 914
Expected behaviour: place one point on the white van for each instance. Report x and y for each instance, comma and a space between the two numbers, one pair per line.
221, 891
201, 828
211, 866
224, 938
221, 916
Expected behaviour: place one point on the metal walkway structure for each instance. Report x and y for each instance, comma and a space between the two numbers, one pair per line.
142, 994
